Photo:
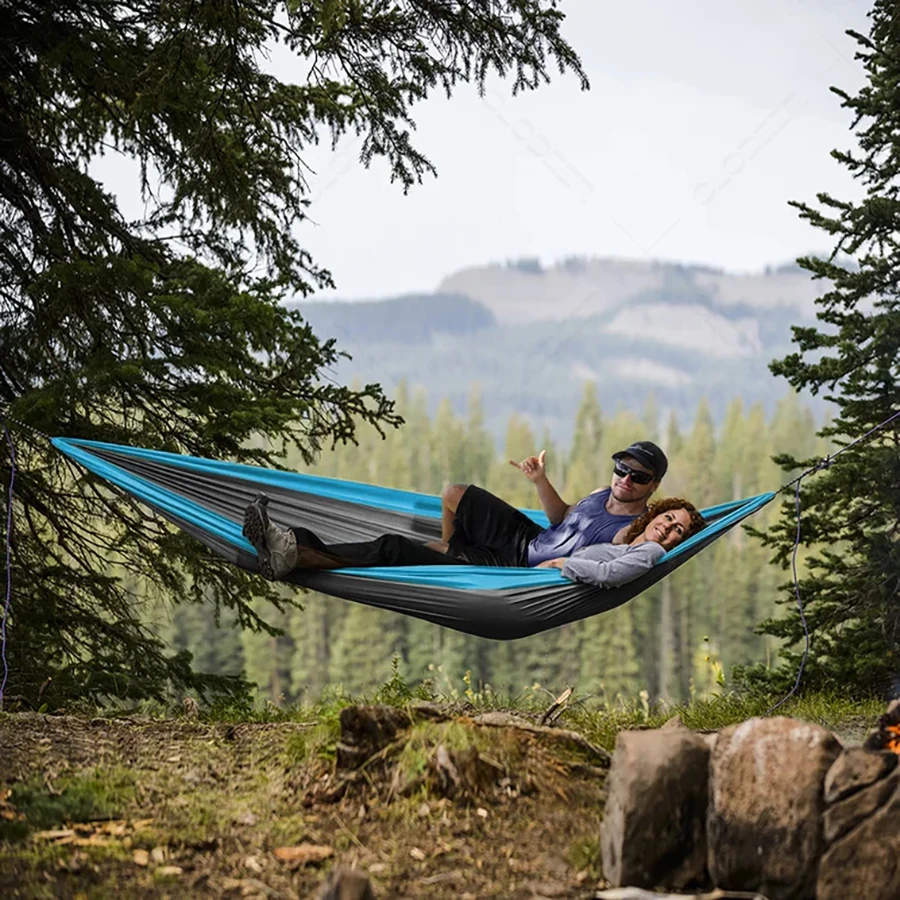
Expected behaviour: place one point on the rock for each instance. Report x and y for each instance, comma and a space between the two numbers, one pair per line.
764, 828
249, 888
548, 890
857, 768
674, 722
304, 854
654, 826
863, 862
169, 871
253, 864
254, 889
346, 884
367, 729
840, 817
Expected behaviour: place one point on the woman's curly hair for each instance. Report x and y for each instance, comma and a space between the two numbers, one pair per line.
660, 506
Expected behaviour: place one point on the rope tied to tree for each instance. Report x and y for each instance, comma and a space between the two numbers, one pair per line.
6, 417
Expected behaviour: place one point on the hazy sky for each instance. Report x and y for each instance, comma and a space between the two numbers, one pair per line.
703, 119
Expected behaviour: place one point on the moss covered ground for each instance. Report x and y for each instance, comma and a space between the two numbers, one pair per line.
263, 804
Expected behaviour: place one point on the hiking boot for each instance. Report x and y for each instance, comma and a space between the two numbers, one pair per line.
276, 547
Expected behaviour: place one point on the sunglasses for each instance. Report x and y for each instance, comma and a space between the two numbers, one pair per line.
623, 470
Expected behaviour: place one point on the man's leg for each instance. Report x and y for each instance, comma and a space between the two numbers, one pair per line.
484, 530
387, 550
450, 497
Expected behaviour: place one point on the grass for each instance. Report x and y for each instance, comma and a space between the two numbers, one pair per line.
319, 741
103, 793
600, 723
584, 853
848, 718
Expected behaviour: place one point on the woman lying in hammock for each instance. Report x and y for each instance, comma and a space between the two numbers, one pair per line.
664, 525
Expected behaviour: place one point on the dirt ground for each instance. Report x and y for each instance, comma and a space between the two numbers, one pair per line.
428, 804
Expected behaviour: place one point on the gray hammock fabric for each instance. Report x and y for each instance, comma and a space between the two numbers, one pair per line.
207, 498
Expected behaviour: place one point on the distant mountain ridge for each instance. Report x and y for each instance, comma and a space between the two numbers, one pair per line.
530, 336
691, 306
412, 317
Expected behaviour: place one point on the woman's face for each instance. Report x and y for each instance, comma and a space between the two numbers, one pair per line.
668, 528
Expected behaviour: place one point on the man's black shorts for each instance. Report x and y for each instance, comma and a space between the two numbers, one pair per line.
489, 532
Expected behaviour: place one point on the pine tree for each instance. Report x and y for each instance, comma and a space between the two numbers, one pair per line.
448, 447
663, 640
362, 651
215, 646
267, 656
168, 331
586, 470
650, 419
762, 473
697, 461
505, 480
312, 630
690, 597
728, 466
418, 445
723, 561
611, 667
674, 440
479, 445
851, 512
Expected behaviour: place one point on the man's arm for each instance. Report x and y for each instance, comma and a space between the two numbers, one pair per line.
553, 505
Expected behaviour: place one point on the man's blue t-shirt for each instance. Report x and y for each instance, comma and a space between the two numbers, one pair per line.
588, 522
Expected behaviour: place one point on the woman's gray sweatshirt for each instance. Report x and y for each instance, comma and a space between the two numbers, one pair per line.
608, 565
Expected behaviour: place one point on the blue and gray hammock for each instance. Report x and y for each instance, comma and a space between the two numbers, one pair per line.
207, 498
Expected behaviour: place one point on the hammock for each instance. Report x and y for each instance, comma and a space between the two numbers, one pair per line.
207, 498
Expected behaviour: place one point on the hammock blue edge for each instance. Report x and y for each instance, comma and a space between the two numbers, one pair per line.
463, 577
392, 499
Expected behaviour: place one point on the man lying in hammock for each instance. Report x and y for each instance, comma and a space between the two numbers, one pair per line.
489, 532
664, 525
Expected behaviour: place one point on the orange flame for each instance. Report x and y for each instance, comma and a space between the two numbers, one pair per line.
893, 742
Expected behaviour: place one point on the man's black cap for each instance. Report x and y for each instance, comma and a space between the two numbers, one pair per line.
649, 454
